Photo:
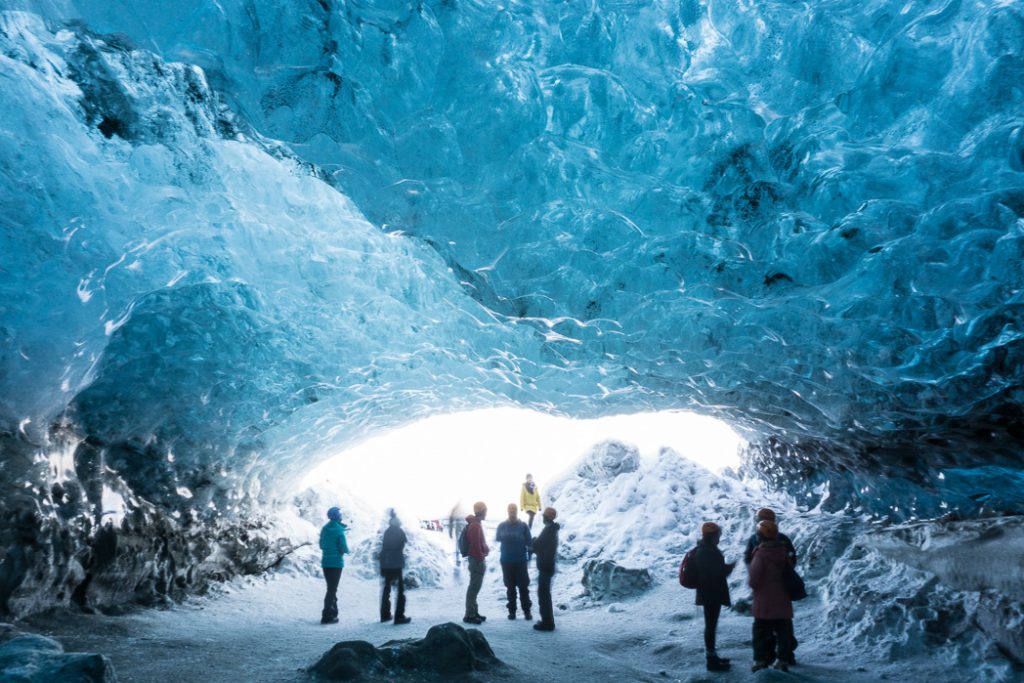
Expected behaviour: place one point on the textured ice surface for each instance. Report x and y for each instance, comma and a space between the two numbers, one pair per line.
804, 218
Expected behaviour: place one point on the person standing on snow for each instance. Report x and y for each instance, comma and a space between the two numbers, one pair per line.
515, 540
477, 560
711, 571
772, 607
392, 564
766, 514
545, 549
334, 548
456, 523
529, 499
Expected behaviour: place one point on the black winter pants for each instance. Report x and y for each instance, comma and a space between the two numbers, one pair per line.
773, 639
392, 577
711, 614
332, 575
516, 577
547, 614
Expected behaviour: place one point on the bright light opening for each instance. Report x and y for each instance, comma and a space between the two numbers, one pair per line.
429, 466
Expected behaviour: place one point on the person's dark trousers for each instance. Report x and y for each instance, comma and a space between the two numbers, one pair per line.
477, 568
516, 577
530, 514
547, 614
392, 577
332, 575
711, 614
773, 638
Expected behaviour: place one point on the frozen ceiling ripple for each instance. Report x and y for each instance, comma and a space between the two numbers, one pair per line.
237, 234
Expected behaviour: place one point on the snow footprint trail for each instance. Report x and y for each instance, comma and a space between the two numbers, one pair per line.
266, 631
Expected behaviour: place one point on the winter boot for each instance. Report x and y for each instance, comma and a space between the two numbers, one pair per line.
527, 615
544, 626
511, 615
477, 619
716, 663
385, 617
402, 620
781, 665
760, 664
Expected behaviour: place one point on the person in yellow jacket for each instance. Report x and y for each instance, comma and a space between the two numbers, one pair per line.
529, 498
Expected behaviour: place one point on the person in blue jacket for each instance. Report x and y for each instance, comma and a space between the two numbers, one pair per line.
334, 548
514, 537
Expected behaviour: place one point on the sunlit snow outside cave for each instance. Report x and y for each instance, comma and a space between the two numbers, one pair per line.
260, 258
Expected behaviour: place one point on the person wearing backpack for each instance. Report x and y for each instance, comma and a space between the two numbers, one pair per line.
514, 537
772, 607
334, 547
392, 566
545, 548
767, 514
476, 550
707, 570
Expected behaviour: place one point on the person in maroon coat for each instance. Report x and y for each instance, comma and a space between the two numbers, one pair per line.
772, 608
478, 552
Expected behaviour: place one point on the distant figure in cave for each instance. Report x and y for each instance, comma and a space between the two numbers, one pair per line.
711, 571
529, 499
477, 561
766, 514
514, 537
392, 566
772, 607
456, 523
545, 549
334, 548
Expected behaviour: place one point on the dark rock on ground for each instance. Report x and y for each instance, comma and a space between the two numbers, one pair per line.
605, 579
36, 659
447, 650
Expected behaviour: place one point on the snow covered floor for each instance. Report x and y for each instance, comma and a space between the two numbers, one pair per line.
267, 630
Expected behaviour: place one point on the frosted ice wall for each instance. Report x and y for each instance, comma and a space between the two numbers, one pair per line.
802, 218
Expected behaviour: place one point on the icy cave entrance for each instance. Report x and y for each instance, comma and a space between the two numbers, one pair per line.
427, 467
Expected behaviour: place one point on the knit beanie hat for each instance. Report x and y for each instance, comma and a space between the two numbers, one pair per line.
768, 530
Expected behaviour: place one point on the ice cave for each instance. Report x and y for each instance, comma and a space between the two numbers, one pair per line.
242, 239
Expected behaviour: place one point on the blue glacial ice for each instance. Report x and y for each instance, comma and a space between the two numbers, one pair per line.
237, 235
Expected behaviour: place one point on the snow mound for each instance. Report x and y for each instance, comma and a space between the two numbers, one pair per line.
646, 512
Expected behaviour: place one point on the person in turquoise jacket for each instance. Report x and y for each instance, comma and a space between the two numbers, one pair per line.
334, 547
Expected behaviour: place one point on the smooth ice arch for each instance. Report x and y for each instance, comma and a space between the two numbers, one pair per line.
239, 233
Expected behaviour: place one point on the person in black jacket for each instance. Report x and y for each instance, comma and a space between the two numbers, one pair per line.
392, 565
545, 548
712, 589
763, 515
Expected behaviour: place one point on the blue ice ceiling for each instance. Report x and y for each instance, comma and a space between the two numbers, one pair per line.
237, 234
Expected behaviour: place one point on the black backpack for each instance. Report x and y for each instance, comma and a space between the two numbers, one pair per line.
464, 541
794, 583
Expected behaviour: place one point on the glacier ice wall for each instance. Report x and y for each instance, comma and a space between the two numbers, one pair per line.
237, 233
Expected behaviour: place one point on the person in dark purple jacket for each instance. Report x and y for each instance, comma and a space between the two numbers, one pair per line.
772, 608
